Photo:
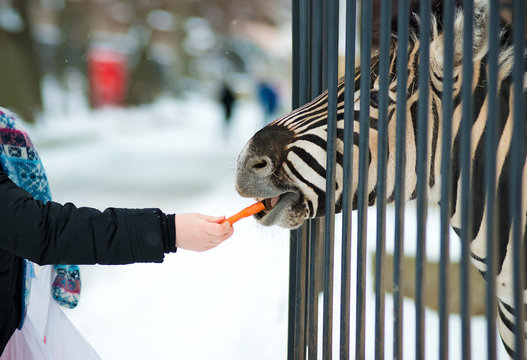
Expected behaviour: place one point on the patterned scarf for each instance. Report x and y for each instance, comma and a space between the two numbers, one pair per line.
21, 162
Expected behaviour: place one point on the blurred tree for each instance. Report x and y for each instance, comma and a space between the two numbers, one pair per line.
223, 13
151, 33
146, 81
175, 26
19, 70
75, 26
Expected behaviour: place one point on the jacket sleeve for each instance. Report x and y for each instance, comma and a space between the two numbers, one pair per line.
52, 233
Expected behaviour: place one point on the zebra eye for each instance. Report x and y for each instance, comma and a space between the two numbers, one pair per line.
374, 99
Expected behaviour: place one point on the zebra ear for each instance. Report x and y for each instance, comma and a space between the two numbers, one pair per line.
480, 35
480, 39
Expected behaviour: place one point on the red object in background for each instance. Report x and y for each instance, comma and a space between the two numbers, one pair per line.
108, 77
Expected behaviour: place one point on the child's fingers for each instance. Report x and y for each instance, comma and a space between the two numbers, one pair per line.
218, 219
219, 229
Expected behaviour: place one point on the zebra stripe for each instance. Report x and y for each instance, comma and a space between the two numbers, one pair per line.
304, 163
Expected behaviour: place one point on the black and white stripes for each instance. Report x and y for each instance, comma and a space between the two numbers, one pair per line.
290, 153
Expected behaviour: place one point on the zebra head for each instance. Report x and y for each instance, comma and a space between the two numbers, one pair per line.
284, 164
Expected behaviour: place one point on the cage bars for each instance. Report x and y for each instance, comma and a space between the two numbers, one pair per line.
446, 176
490, 180
332, 23
347, 164
516, 183
315, 59
384, 64
400, 175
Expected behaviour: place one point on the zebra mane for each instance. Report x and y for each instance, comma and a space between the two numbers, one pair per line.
414, 23
480, 35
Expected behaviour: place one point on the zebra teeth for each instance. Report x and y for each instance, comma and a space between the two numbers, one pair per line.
267, 203
270, 203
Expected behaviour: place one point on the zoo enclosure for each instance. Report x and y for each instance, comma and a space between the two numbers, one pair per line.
312, 256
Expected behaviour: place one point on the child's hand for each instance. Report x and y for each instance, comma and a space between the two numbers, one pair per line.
198, 232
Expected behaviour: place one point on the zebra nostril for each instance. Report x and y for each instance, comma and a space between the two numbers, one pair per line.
260, 165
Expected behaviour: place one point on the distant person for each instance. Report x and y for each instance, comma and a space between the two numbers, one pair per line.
227, 98
46, 232
268, 98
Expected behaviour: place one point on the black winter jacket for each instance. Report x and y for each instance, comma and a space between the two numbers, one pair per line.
52, 233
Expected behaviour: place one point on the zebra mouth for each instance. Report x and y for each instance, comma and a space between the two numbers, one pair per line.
270, 203
274, 206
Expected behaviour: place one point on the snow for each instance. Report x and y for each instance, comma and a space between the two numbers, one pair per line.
230, 303
219, 304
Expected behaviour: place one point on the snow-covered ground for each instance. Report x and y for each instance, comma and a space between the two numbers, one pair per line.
222, 304
226, 304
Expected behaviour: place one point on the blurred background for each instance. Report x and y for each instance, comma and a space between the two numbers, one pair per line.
127, 53
147, 103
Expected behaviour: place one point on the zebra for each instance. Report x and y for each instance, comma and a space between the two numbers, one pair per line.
284, 163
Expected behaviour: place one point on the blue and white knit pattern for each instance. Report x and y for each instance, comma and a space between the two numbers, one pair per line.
21, 162
19, 158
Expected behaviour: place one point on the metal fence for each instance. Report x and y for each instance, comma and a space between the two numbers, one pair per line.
314, 286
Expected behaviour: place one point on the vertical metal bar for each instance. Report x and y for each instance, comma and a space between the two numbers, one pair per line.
293, 238
295, 29
305, 52
292, 305
301, 292
400, 169
364, 151
314, 241
422, 174
312, 327
517, 167
490, 179
298, 247
465, 154
446, 176
316, 48
384, 67
351, 16
329, 229
297, 280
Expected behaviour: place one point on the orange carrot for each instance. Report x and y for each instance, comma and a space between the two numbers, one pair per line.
248, 211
